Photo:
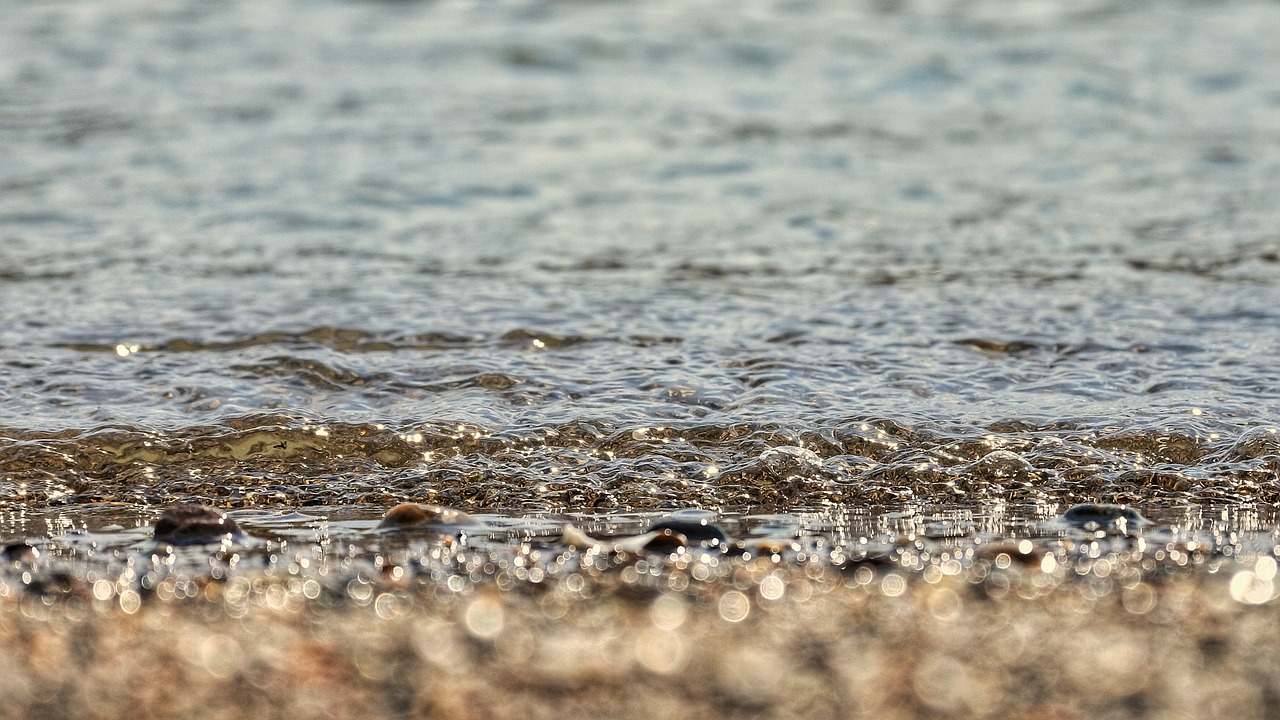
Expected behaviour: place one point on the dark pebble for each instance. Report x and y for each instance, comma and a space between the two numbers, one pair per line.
698, 532
194, 524
1109, 518
20, 552
409, 515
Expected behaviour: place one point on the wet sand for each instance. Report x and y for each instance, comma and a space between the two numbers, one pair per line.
767, 640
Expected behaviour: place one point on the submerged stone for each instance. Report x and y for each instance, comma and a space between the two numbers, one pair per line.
410, 515
20, 552
697, 532
652, 541
1093, 517
666, 536
194, 524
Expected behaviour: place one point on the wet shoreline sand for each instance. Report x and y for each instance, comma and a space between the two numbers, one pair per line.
1053, 632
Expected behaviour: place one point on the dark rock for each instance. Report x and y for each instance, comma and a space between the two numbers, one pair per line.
194, 524
698, 532
20, 552
409, 515
1112, 519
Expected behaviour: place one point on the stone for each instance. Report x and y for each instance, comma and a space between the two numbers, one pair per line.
411, 515
183, 524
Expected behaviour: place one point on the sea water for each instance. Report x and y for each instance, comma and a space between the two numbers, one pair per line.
797, 261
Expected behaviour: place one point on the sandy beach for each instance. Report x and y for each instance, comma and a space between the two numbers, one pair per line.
1018, 636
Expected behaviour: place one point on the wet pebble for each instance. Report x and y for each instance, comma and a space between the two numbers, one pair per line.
411, 515
670, 534
194, 524
698, 532
1111, 519
20, 552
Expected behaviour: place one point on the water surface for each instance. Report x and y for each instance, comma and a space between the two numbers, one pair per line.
531, 258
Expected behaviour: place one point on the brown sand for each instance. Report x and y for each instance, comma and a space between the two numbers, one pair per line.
772, 641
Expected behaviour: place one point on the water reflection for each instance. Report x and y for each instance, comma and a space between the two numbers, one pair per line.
299, 560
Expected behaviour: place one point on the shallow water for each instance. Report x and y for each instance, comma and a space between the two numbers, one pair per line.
560, 260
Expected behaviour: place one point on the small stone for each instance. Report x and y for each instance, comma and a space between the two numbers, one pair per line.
409, 515
194, 524
1112, 519
20, 552
697, 532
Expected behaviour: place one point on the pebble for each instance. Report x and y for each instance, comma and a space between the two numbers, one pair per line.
411, 515
1112, 519
699, 532
194, 524
664, 536
20, 552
